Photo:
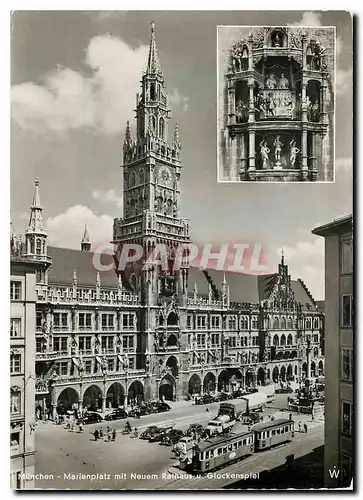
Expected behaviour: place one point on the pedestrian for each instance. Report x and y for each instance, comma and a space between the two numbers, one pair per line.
305, 428
101, 432
109, 435
290, 416
108, 428
96, 434
207, 409
299, 426
80, 426
114, 435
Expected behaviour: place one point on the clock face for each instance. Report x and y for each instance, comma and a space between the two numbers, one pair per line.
165, 176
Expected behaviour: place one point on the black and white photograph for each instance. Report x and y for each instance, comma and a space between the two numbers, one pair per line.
169, 331
276, 90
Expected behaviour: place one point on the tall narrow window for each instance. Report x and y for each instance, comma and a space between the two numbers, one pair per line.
162, 128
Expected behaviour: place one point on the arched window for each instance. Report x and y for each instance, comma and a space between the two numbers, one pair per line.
289, 339
32, 246
161, 128
141, 176
308, 324
275, 340
276, 323
132, 179
172, 319
254, 323
289, 323
316, 323
39, 246
152, 92
283, 340
283, 323
244, 323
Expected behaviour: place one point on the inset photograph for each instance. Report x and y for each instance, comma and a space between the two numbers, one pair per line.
276, 103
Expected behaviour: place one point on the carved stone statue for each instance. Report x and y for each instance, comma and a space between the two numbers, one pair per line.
270, 104
271, 82
284, 82
278, 148
277, 42
293, 152
264, 151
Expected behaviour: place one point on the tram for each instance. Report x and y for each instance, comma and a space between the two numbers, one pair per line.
220, 451
273, 433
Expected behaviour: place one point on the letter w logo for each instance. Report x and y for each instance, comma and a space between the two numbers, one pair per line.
334, 473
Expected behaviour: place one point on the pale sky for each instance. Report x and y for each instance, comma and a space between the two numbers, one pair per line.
74, 80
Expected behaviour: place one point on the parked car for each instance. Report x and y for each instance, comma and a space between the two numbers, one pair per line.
172, 437
149, 432
251, 419
116, 414
238, 393
92, 418
163, 407
159, 434
194, 429
223, 396
205, 399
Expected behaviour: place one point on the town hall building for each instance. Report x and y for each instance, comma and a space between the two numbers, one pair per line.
109, 338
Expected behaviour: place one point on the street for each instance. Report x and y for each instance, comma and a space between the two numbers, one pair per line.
130, 463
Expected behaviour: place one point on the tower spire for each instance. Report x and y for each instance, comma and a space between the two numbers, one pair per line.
153, 64
282, 257
86, 242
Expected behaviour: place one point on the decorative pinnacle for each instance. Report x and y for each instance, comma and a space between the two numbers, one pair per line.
176, 137
36, 197
85, 238
153, 65
282, 257
127, 139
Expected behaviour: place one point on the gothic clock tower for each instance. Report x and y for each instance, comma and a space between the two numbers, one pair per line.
151, 207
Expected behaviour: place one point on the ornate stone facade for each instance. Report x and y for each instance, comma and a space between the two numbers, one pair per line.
104, 339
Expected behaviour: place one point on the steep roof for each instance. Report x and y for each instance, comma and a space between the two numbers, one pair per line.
65, 261
244, 288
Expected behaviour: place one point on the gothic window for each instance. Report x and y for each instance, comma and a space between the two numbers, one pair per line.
32, 245
289, 323
289, 339
283, 339
283, 324
141, 176
132, 179
316, 323
170, 207
276, 323
275, 340
39, 246
308, 324
172, 319
162, 128
152, 92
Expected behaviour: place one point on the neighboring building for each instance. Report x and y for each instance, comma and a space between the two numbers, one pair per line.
339, 318
276, 110
105, 338
25, 266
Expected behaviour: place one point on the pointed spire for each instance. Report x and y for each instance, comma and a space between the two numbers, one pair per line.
176, 136
127, 139
36, 222
86, 242
153, 65
36, 197
282, 257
